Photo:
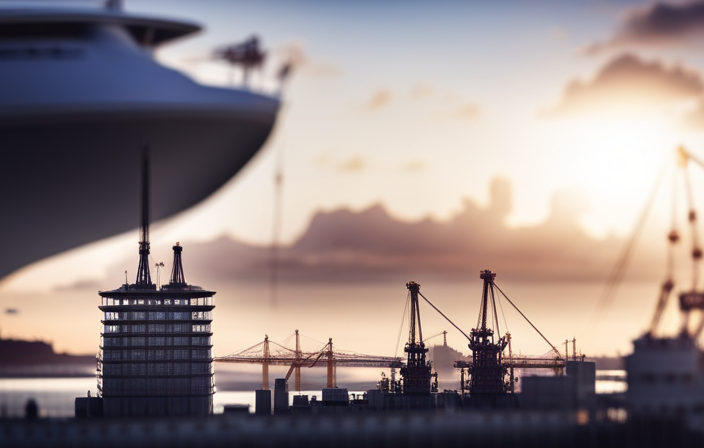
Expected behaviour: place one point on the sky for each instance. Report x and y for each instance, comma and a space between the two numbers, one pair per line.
419, 106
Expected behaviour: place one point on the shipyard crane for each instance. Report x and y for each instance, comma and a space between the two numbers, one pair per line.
417, 374
488, 368
692, 299
689, 300
269, 353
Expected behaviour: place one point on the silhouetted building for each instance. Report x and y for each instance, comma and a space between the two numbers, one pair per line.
156, 343
157, 348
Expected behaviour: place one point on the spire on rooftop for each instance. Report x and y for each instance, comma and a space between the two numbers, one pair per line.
143, 276
177, 277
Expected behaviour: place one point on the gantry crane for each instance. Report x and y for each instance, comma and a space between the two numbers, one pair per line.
295, 359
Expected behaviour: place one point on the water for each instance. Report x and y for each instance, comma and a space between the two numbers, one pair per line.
55, 396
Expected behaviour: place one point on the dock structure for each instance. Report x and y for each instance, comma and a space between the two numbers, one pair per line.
156, 345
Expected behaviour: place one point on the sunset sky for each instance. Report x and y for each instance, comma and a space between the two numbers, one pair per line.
420, 105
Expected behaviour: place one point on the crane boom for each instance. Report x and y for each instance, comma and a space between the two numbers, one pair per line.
662, 301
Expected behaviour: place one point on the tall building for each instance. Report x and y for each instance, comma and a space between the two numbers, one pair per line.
156, 345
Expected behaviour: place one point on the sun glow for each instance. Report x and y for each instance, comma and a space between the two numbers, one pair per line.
616, 163
620, 157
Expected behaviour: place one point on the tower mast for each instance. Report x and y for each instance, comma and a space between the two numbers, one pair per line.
143, 276
417, 374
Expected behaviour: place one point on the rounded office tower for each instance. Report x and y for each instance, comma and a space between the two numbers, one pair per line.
156, 346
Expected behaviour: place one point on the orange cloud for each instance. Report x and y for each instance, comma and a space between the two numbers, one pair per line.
295, 53
352, 165
421, 91
464, 111
379, 100
413, 166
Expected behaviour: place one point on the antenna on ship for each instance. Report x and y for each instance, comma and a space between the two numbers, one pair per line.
143, 276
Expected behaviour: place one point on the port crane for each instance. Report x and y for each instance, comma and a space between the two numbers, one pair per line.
270, 353
486, 373
689, 300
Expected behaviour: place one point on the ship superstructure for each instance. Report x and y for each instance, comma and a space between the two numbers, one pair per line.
81, 91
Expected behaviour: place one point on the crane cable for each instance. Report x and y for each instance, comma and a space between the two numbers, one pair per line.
400, 328
443, 315
527, 320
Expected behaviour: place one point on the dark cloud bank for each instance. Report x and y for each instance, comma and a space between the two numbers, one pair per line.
659, 24
371, 245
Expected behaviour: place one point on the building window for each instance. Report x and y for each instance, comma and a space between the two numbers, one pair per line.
201, 328
198, 368
180, 354
157, 328
180, 340
112, 329
201, 340
182, 369
200, 354
138, 369
156, 340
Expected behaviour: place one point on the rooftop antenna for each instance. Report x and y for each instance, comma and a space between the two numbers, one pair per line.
177, 277
158, 267
143, 276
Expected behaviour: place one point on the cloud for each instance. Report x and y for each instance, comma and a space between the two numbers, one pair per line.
352, 165
422, 91
694, 120
295, 54
468, 110
558, 34
12, 311
379, 100
658, 24
413, 166
372, 245
628, 85
464, 111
